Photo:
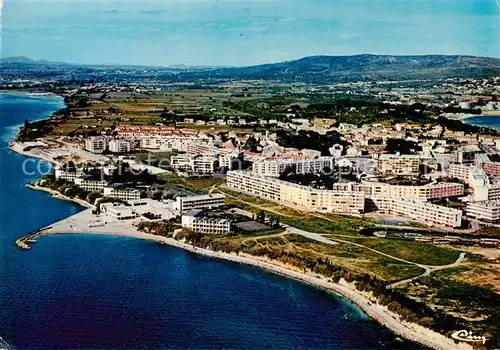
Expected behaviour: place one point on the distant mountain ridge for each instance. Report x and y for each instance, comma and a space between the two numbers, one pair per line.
324, 69
370, 67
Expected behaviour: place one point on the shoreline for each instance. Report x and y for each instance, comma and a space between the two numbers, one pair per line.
412, 332
58, 195
409, 331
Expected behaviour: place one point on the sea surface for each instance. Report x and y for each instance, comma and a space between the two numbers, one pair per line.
96, 292
485, 121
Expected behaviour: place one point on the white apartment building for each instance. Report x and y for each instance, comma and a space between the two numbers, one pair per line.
419, 211
122, 193
478, 178
484, 210
274, 167
205, 201
395, 164
459, 171
91, 185
487, 193
168, 143
204, 163
231, 161
70, 175
204, 224
96, 144
426, 213
120, 146
297, 196
423, 192
200, 163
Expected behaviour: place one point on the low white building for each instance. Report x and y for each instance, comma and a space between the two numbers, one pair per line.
202, 224
275, 166
206, 201
68, 175
122, 193
151, 209
91, 185
119, 211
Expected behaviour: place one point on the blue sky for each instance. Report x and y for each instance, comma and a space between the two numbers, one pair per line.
238, 33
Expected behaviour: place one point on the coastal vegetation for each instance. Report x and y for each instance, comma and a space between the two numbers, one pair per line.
334, 262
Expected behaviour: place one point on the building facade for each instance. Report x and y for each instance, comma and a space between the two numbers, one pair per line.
207, 201
423, 192
120, 146
122, 193
484, 210
274, 167
297, 196
395, 164
96, 144
91, 185
207, 225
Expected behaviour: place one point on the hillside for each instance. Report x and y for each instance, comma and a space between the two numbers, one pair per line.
324, 69
313, 69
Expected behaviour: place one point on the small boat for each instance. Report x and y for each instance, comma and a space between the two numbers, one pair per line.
346, 317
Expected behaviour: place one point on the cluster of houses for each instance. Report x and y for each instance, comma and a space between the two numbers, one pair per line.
456, 165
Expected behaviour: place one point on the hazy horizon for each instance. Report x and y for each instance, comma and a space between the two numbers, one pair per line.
230, 33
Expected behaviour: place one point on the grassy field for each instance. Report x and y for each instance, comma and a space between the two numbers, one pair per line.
355, 259
417, 252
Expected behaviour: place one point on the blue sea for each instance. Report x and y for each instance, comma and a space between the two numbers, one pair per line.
485, 121
102, 292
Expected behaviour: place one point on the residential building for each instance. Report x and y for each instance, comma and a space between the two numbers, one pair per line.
297, 196
396, 164
488, 192
120, 146
205, 201
423, 192
459, 171
205, 163
191, 220
426, 213
484, 210
68, 175
96, 144
419, 211
491, 168
273, 167
91, 185
120, 192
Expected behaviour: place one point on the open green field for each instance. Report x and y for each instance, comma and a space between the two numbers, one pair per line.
417, 252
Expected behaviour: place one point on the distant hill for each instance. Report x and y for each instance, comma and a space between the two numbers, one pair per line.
324, 69
313, 69
17, 59
22, 60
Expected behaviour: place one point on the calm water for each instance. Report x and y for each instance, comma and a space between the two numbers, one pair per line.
486, 121
78, 291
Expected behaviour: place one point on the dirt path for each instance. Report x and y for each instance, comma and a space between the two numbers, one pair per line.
429, 270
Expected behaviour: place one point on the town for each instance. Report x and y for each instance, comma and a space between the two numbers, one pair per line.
305, 175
